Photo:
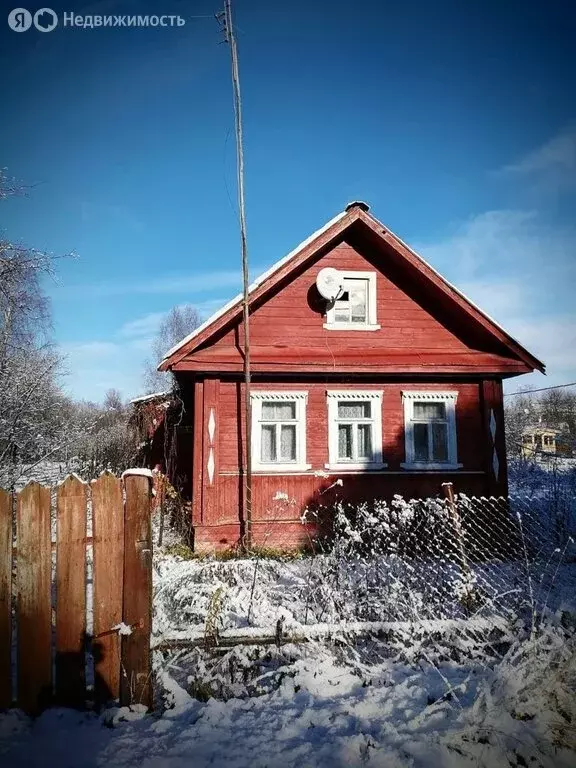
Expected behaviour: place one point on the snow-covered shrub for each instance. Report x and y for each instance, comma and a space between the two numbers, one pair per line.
525, 707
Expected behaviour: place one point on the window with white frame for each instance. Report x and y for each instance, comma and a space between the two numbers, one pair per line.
355, 307
355, 429
430, 430
279, 431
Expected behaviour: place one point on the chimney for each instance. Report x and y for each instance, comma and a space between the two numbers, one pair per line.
358, 204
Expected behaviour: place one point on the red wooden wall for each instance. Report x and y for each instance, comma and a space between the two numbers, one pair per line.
287, 333
220, 434
420, 339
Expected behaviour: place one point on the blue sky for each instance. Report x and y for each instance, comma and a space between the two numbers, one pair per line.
456, 121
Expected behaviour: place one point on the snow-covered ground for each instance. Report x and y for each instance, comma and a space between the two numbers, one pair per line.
331, 707
416, 699
431, 693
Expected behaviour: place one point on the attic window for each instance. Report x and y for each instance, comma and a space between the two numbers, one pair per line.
355, 307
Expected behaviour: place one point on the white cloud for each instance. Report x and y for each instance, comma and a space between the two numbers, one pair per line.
93, 367
148, 325
521, 273
556, 155
143, 326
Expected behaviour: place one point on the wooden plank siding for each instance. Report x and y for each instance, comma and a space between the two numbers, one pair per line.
276, 520
287, 330
34, 598
136, 685
468, 415
5, 598
429, 337
71, 592
108, 529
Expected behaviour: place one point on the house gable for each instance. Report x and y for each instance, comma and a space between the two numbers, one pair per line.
424, 322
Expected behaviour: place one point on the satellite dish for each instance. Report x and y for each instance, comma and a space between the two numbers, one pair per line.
329, 283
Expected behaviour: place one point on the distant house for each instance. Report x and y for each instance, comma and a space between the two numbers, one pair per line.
537, 439
394, 386
542, 441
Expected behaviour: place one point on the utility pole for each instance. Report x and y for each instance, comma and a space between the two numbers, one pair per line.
226, 19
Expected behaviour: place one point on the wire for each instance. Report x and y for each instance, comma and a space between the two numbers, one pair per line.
544, 389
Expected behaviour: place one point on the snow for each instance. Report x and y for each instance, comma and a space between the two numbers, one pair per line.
138, 472
429, 686
122, 629
145, 398
325, 709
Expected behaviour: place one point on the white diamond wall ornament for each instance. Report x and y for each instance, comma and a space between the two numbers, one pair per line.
211, 465
492, 425
211, 426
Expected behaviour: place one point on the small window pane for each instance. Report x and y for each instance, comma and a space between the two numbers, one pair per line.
421, 442
342, 311
350, 409
425, 411
268, 451
278, 411
364, 441
344, 441
439, 442
358, 301
288, 442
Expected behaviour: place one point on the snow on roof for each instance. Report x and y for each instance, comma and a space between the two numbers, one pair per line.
153, 396
258, 281
265, 275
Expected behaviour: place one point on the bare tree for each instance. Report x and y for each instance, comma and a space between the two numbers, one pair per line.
519, 414
177, 324
32, 405
105, 439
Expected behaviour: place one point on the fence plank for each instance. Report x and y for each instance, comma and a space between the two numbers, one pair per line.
5, 598
108, 541
71, 592
34, 599
136, 684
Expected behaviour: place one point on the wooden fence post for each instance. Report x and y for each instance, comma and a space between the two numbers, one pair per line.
136, 682
5, 599
34, 599
448, 491
71, 592
108, 542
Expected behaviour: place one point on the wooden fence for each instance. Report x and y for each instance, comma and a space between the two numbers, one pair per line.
44, 601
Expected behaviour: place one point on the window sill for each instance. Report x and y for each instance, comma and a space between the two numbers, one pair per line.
435, 466
351, 327
280, 469
366, 467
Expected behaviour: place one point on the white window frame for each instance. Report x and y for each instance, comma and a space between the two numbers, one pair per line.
333, 398
301, 400
449, 398
371, 323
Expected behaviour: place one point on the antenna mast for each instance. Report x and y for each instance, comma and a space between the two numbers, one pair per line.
226, 19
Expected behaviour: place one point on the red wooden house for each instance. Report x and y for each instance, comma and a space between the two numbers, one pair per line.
394, 387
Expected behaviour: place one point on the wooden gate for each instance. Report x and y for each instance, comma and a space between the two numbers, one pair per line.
72, 559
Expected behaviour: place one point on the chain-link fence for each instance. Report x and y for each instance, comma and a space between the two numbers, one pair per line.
479, 562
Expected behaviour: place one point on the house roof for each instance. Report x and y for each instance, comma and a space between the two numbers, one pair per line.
355, 212
146, 398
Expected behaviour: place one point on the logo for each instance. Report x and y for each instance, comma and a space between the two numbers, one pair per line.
45, 20
19, 20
